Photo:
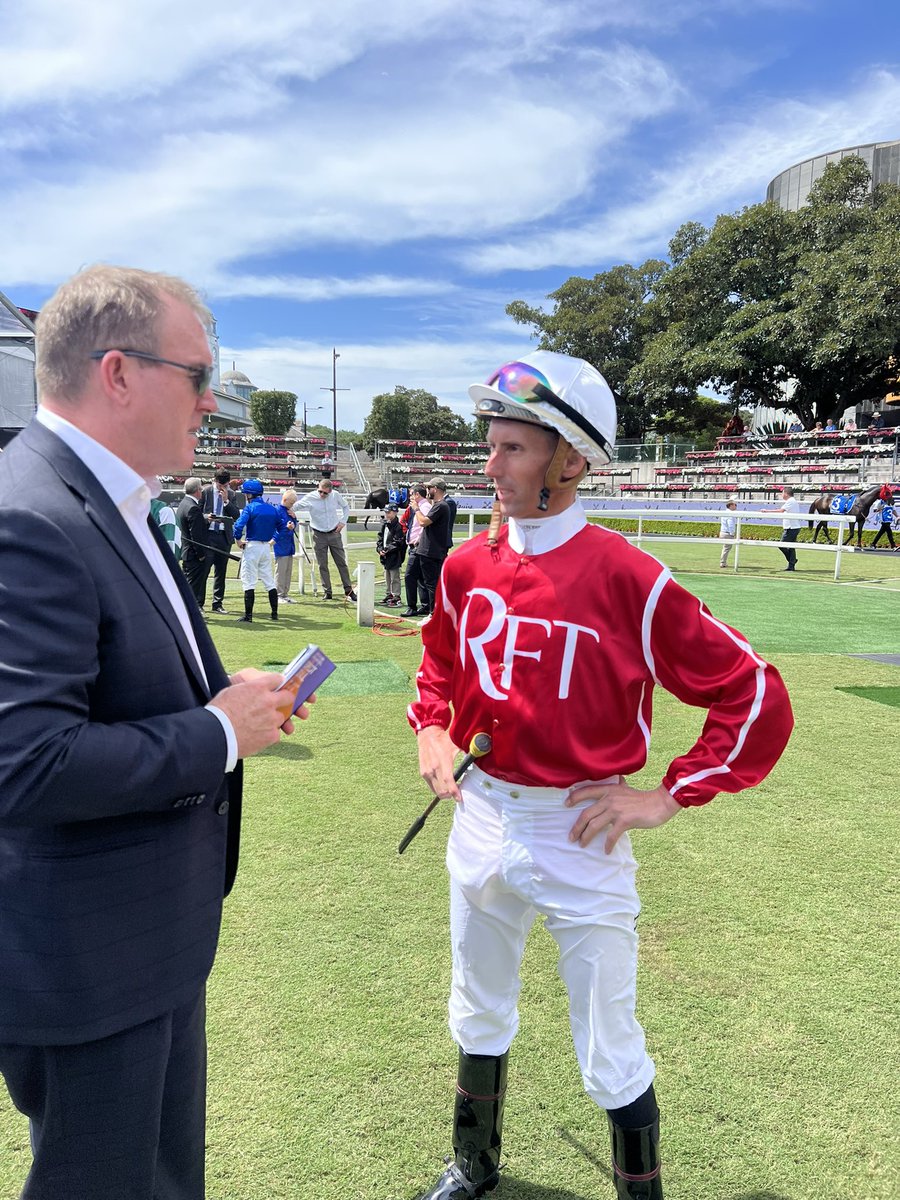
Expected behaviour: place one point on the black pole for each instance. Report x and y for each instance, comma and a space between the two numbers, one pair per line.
335, 356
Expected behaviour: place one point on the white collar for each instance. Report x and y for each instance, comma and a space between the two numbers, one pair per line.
537, 535
119, 480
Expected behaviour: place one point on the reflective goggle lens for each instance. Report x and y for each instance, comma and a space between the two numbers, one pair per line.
519, 381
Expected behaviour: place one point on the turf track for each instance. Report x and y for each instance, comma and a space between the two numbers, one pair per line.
768, 962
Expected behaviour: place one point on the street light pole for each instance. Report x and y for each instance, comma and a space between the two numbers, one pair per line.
334, 389
306, 409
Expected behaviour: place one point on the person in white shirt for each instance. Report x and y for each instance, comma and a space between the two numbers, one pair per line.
328, 512
792, 525
728, 528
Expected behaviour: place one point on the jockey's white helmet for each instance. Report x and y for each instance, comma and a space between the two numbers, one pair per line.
559, 392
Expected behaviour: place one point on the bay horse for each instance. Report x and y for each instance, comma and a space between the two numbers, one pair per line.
859, 510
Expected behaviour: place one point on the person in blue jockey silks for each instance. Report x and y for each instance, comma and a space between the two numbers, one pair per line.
254, 530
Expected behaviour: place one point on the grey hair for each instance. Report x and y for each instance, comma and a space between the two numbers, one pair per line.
103, 308
192, 485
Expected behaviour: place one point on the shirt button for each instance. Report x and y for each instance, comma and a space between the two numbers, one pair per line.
514, 795
223, 808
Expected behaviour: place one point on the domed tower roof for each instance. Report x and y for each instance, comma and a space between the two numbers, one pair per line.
236, 377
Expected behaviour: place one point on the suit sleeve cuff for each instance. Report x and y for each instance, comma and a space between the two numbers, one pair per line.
231, 746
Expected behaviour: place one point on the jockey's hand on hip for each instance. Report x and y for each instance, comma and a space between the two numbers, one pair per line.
616, 808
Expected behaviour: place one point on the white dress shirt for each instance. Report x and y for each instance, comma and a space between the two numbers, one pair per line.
325, 512
132, 495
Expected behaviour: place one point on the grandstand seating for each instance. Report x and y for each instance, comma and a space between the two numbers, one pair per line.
751, 468
462, 465
809, 462
276, 461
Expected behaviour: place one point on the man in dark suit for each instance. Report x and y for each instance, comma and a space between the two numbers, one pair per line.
195, 557
220, 513
120, 745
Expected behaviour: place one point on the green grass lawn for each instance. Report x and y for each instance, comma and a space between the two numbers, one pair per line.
768, 957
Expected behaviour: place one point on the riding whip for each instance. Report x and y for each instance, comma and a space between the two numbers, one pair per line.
212, 549
478, 747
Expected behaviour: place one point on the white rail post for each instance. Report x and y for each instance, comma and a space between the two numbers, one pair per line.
365, 594
737, 543
307, 559
837, 553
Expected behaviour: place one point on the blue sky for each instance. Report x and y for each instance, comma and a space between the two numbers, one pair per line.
384, 177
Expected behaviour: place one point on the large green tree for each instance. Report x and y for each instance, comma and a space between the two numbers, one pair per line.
415, 414
790, 309
606, 320
273, 413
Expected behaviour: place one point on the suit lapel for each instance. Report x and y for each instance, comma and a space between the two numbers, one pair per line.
110, 523
212, 664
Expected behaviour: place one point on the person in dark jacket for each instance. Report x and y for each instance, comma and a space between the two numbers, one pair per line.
220, 512
196, 558
391, 547
121, 740
436, 538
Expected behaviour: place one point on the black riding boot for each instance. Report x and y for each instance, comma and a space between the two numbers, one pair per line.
635, 1155
249, 597
273, 602
477, 1129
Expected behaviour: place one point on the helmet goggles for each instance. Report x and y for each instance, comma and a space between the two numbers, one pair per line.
526, 385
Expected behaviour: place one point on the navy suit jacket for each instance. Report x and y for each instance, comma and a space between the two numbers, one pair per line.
118, 827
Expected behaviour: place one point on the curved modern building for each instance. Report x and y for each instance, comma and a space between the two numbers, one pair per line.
790, 189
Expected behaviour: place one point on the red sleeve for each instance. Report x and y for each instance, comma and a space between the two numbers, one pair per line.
708, 664
431, 705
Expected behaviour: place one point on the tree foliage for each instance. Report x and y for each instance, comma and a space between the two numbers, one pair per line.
605, 320
415, 414
788, 309
273, 413
345, 437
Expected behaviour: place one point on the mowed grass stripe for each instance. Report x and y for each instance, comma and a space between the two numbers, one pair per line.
767, 980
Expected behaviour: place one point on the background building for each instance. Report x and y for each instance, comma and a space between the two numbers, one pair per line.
18, 391
790, 189
18, 398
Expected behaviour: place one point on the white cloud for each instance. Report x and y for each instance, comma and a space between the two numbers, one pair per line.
731, 167
60, 50
444, 368
459, 164
304, 290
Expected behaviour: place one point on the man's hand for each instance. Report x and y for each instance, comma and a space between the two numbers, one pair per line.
436, 755
338, 528
255, 709
618, 807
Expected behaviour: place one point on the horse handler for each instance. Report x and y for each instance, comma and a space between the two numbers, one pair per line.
550, 635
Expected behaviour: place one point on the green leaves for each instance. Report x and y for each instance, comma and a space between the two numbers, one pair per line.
416, 414
763, 297
273, 413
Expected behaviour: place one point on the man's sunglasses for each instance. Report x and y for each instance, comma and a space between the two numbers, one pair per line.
200, 376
